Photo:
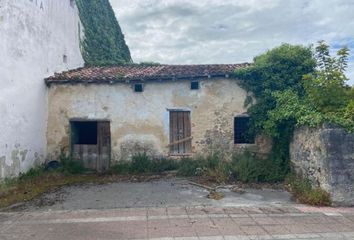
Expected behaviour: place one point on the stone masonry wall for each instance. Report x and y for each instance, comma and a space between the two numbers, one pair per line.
325, 156
140, 121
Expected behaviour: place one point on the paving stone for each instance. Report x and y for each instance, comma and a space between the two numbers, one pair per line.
253, 230
207, 231
174, 224
176, 211
276, 229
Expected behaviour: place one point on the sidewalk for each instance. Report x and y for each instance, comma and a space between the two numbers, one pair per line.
180, 223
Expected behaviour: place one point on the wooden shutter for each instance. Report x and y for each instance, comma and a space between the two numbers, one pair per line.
180, 132
104, 146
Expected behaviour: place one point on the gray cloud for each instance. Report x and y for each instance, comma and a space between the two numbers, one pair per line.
228, 31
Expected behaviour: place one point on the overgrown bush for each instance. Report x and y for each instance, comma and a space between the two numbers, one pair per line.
162, 165
32, 173
189, 167
305, 193
142, 163
247, 167
210, 166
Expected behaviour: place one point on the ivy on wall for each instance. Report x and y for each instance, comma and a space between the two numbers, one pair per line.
104, 42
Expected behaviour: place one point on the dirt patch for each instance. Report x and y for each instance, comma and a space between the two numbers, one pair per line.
15, 194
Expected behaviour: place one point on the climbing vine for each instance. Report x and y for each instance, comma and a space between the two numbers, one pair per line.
279, 69
104, 42
295, 86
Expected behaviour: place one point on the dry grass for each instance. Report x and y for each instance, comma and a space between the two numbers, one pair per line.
15, 191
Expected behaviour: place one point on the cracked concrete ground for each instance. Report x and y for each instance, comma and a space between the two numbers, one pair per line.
157, 193
171, 210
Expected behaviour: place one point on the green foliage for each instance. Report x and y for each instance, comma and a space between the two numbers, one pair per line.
162, 165
68, 165
305, 193
326, 86
247, 168
32, 173
104, 42
141, 163
189, 167
326, 98
121, 167
280, 69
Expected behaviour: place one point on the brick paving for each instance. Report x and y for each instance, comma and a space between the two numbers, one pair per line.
182, 223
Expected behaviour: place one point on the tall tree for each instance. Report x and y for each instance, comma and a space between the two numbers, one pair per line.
104, 42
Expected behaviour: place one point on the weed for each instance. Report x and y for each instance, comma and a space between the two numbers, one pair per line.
246, 167
305, 193
162, 165
189, 167
121, 167
32, 173
68, 165
141, 163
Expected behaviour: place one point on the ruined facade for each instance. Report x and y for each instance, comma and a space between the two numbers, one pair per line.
38, 38
161, 110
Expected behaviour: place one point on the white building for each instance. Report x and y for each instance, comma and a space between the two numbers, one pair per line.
37, 38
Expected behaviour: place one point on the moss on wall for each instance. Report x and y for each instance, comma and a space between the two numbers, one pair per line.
104, 42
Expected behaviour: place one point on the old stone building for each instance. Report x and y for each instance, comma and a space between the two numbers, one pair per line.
103, 114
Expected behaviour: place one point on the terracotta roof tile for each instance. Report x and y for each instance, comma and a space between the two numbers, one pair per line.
142, 73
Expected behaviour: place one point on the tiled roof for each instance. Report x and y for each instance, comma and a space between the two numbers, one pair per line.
142, 73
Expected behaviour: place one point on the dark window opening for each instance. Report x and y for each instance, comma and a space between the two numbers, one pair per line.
241, 129
84, 133
194, 85
138, 87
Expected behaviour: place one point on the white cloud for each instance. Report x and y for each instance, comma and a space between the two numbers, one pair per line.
229, 31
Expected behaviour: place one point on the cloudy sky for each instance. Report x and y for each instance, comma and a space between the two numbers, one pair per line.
230, 31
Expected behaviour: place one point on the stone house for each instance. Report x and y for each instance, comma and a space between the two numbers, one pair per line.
106, 114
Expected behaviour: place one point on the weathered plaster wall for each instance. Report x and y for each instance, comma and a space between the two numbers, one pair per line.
140, 121
35, 34
325, 156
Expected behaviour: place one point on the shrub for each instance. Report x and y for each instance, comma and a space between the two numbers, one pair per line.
247, 167
141, 163
220, 174
305, 193
162, 165
189, 167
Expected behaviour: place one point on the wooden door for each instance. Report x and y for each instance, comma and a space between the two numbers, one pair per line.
91, 144
104, 146
180, 133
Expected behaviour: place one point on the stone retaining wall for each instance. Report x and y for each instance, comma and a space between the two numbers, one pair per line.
325, 156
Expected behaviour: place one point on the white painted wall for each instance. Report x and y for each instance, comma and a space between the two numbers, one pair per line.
34, 36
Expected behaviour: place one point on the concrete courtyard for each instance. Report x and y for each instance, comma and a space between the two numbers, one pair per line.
171, 209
